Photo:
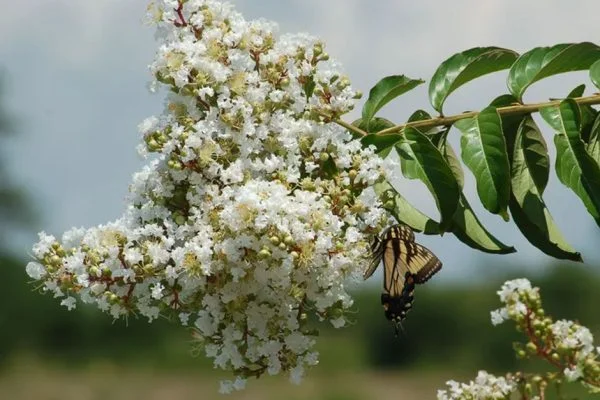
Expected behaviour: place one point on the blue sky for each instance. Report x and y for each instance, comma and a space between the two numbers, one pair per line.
76, 73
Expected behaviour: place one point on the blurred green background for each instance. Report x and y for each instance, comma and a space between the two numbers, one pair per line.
47, 352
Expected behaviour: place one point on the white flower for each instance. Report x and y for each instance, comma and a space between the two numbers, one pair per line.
338, 322
499, 316
514, 286
573, 373
69, 302
157, 290
296, 374
35, 270
484, 387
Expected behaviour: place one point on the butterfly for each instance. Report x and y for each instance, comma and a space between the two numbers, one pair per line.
406, 264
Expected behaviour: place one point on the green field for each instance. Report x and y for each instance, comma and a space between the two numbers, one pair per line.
47, 352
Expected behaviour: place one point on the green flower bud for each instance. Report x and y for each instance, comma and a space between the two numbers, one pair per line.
531, 347
282, 246
589, 363
180, 220
288, 240
275, 240
324, 157
318, 49
264, 253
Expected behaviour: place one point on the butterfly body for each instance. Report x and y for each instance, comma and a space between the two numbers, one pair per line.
406, 263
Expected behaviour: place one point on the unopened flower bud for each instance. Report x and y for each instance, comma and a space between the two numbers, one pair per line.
264, 253
531, 347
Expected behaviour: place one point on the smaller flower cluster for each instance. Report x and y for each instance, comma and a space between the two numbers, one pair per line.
485, 386
566, 345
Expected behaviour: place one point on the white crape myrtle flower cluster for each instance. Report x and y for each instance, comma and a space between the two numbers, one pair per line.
484, 387
256, 211
567, 346
565, 343
512, 294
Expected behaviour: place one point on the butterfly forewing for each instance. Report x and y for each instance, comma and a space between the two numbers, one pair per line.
421, 262
426, 262
394, 270
377, 249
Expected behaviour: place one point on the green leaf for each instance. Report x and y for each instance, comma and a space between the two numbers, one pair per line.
377, 124
465, 225
403, 211
595, 73
593, 146
577, 92
510, 123
575, 167
385, 91
535, 153
420, 159
329, 167
588, 113
469, 230
439, 139
419, 115
464, 67
588, 116
484, 152
454, 164
383, 143
526, 204
543, 62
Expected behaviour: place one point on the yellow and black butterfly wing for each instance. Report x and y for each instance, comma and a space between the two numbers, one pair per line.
421, 262
377, 249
